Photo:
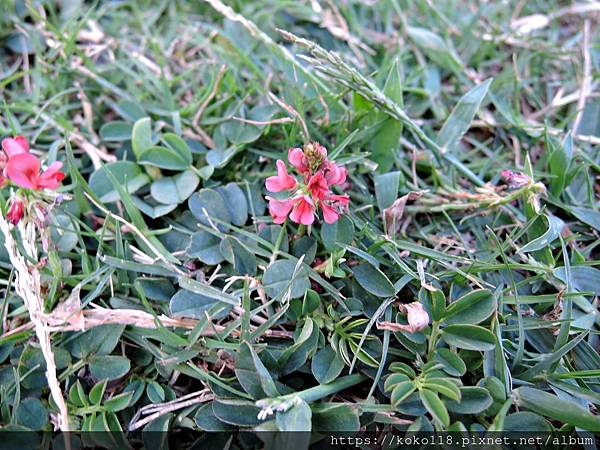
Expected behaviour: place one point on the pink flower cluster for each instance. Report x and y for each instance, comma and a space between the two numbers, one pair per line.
319, 174
23, 169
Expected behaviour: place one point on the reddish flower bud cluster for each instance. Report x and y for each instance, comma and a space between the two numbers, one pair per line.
15, 212
319, 175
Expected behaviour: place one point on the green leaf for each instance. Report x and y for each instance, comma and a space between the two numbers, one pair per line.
373, 280
386, 142
586, 215
25, 42
127, 173
474, 307
155, 392
395, 378
556, 408
559, 162
239, 132
451, 362
116, 131
157, 248
97, 392
130, 110
206, 247
525, 420
109, 367
163, 158
297, 418
339, 232
444, 386
207, 421
65, 232
244, 262
401, 392
332, 417
100, 340
236, 412
77, 395
118, 402
235, 202
155, 435
462, 115
151, 209
174, 190
469, 337
209, 291
159, 289
279, 278
32, 413
386, 189
252, 373
141, 136
296, 355
473, 400
326, 365
435, 406
434, 303
208, 204
555, 226
189, 304
179, 146
436, 48
583, 278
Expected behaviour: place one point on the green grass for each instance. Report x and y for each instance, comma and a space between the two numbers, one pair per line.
169, 116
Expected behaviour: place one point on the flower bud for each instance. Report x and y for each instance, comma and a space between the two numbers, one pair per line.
515, 179
315, 154
15, 212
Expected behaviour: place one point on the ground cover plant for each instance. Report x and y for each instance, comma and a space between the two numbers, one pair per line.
299, 216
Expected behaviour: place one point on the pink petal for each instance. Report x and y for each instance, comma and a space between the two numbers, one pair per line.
52, 176
15, 146
279, 209
282, 181
343, 200
23, 170
343, 175
334, 173
303, 211
297, 159
272, 184
329, 214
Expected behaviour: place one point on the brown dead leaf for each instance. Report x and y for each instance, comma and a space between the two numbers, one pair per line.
392, 215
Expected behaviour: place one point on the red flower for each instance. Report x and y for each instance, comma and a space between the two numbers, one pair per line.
282, 181
317, 186
23, 169
303, 211
15, 212
279, 209
15, 146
